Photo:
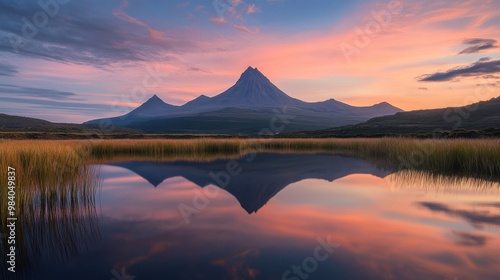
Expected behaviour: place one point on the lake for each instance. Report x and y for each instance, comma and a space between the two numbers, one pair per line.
269, 216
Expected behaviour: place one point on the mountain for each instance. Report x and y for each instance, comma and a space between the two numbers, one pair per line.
154, 107
265, 176
474, 120
253, 89
253, 103
199, 101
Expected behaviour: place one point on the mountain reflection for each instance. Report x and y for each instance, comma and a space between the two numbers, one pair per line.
260, 178
389, 225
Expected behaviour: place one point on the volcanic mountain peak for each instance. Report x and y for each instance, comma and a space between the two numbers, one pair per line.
202, 97
253, 73
254, 89
153, 107
155, 99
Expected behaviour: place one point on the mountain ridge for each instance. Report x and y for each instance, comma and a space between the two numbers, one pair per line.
252, 92
479, 119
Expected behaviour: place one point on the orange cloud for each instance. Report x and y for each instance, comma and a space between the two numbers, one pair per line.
218, 20
252, 9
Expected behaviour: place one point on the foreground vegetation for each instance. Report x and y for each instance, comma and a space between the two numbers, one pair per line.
55, 206
461, 156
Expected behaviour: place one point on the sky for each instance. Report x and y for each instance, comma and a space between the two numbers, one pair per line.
72, 61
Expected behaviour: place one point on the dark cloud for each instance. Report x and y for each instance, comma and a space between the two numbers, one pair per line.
34, 92
478, 45
488, 204
7, 70
483, 67
485, 59
475, 218
75, 34
469, 239
49, 100
44, 106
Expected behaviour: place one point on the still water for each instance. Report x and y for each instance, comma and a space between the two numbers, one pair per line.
277, 216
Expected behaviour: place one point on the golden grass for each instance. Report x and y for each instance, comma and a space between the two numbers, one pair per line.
55, 199
426, 182
461, 156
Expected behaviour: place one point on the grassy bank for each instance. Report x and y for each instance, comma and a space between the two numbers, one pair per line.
462, 156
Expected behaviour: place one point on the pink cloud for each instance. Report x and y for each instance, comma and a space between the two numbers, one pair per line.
252, 9
154, 34
245, 29
218, 20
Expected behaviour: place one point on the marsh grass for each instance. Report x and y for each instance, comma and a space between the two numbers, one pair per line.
427, 182
40, 159
55, 203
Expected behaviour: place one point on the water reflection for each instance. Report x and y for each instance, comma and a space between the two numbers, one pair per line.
259, 178
478, 217
390, 226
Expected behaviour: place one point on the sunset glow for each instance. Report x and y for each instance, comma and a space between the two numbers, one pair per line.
91, 60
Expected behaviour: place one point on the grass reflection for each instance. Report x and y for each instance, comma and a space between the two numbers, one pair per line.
55, 207
445, 183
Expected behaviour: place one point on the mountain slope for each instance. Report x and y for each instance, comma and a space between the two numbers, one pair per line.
245, 121
253, 103
481, 116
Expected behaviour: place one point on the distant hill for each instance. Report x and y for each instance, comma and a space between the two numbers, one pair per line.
9, 123
247, 107
474, 120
